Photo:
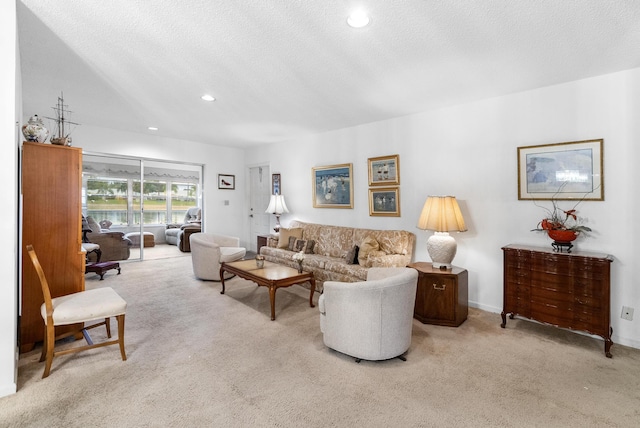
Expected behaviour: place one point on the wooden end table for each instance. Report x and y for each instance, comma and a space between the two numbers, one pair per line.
442, 295
271, 275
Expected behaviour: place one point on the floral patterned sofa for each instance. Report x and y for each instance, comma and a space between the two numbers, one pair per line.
331, 252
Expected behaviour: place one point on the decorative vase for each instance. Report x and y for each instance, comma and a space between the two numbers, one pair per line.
562, 235
34, 130
300, 266
259, 262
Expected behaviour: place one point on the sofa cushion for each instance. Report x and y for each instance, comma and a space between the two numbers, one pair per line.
285, 233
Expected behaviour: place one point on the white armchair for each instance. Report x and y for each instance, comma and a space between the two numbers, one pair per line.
372, 319
209, 250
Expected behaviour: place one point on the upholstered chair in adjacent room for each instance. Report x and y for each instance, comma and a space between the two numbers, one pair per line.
175, 234
372, 319
209, 250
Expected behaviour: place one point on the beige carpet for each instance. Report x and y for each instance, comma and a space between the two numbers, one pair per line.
199, 358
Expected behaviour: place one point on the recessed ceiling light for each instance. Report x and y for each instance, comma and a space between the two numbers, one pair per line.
358, 19
152, 128
207, 97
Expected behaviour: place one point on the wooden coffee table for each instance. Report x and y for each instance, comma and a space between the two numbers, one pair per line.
271, 275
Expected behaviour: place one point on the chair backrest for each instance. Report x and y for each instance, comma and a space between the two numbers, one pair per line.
193, 215
43, 280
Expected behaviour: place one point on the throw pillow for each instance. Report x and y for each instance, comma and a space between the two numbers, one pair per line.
352, 255
93, 225
303, 245
310, 244
292, 243
285, 233
368, 245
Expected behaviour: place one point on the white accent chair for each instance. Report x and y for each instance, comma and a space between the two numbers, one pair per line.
372, 319
77, 308
209, 250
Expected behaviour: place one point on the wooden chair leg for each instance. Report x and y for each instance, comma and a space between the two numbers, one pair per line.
107, 324
50, 341
43, 354
120, 319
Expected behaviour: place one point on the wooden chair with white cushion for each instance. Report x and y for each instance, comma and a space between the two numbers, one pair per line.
81, 307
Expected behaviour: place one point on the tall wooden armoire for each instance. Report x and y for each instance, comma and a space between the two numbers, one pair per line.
52, 223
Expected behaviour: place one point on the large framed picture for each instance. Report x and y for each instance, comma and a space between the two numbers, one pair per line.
384, 170
276, 185
562, 171
384, 201
226, 181
333, 186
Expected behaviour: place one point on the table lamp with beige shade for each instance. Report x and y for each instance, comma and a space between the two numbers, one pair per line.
442, 215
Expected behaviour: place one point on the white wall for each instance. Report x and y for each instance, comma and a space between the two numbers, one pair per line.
9, 113
470, 151
218, 217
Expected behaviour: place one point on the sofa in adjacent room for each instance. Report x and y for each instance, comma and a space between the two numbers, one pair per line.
338, 253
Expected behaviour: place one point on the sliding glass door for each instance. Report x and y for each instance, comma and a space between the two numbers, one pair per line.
137, 198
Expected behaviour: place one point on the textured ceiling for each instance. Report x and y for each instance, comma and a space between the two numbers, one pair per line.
283, 69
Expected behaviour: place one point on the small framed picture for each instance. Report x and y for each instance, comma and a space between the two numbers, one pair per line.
562, 171
227, 182
276, 184
333, 186
384, 202
384, 170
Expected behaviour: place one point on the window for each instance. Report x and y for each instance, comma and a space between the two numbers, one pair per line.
113, 190
106, 199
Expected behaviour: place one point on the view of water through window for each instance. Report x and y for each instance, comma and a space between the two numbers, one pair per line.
112, 190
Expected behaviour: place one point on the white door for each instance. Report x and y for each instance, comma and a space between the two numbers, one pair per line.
259, 201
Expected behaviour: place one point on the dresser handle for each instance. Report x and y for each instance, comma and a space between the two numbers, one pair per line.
439, 287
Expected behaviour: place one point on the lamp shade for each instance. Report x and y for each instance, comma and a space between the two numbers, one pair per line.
441, 214
277, 205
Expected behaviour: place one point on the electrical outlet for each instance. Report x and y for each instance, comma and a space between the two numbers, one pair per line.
627, 313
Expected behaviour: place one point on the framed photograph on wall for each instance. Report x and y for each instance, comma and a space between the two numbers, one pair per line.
226, 181
561, 171
332, 186
276, 184
384, 202
384, 170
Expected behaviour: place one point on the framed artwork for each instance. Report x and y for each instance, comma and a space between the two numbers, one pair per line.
226, 181
275, 184
384, 202
384, 170
333, 186
562, 171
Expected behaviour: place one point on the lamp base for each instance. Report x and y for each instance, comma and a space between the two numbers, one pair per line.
442, 249
277, 228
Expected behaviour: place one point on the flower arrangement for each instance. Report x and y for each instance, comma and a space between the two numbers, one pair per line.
563, 220
299, 257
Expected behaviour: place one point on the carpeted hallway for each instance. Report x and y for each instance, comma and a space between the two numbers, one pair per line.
199, 358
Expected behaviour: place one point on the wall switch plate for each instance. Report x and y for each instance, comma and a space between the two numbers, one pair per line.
627, 313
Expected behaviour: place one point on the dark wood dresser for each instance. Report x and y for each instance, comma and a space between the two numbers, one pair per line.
568, 290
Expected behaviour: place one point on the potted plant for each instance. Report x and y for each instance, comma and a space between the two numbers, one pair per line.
562, 225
